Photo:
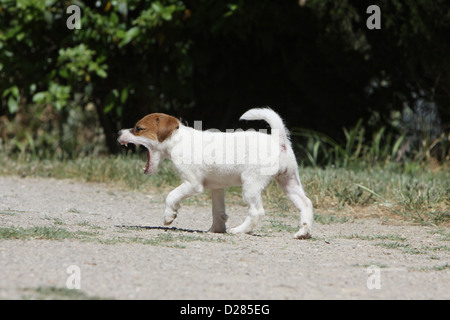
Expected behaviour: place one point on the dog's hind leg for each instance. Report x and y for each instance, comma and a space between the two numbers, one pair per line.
252, 195
218, 211
292, 187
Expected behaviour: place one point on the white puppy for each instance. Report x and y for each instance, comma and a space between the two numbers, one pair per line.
216, 160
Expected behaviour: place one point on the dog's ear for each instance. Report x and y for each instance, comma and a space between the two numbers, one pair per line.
166, 125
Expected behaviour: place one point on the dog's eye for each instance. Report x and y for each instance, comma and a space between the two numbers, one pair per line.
137, 129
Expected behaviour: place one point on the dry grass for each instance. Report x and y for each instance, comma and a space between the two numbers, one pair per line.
388, 193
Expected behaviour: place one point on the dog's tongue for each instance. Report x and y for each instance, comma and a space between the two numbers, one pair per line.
147, 165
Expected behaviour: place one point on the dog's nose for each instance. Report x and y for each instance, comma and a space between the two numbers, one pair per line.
119, 133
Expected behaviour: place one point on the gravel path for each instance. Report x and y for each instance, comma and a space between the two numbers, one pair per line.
116, 240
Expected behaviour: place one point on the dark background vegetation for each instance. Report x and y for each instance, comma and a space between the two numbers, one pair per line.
345, 91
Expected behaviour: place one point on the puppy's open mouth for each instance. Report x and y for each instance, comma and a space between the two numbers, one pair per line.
147, 165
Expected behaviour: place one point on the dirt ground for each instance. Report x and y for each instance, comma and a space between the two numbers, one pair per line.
116, 241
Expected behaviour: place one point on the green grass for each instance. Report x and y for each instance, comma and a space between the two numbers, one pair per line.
392, 237
126, 170
422, 197
54, 233
404, 247
49, 233
46, 233
162, 239
338, 194
383, 147
443, 267
329, 218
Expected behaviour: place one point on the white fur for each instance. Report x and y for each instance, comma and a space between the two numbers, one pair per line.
216, 160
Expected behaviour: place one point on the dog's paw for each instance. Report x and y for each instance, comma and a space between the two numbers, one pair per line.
246, 227
235, 230
169, 217
241, 229
303, 233
217, 229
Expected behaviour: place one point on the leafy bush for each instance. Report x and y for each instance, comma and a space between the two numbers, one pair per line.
67, 92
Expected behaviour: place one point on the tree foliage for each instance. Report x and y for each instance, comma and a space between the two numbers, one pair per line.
315, 62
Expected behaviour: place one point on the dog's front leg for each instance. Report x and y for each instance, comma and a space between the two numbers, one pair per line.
174, 198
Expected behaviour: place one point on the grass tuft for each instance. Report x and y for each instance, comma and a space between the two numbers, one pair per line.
46, 233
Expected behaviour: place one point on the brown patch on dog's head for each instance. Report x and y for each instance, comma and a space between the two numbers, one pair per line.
156, 126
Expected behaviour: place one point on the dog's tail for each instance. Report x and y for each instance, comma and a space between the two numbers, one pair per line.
272, 118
